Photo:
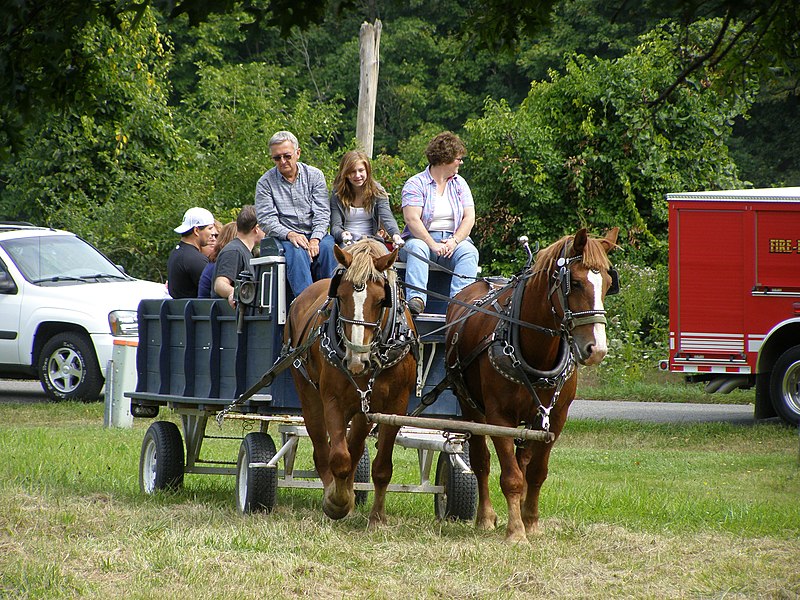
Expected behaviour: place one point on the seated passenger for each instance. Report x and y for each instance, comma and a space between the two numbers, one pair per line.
236, 255
439, 213
226, 233
292, 206
359, 204
186, 261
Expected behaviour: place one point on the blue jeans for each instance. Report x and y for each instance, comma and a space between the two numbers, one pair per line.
463, 261
301, 271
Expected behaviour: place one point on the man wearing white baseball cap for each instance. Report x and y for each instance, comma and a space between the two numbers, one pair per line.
186, 262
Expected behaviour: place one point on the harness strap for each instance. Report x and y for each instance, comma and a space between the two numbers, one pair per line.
503, 343
476, 308
456, 374
585, 317
392, 342
455, 371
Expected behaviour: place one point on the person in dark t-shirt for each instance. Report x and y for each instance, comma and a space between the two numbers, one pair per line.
235, 256
186, 262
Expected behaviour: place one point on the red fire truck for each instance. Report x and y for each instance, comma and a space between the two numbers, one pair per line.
734, 277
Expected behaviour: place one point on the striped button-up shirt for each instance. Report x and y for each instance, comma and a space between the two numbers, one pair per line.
420, 190
301, 206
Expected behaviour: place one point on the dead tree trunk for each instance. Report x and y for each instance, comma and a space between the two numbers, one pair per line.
370, 41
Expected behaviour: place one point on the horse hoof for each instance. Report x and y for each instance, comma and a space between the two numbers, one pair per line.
335, 511
517, 538
533, 529
376, 522
487, 522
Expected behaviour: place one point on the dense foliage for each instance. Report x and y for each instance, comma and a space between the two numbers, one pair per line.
587, 148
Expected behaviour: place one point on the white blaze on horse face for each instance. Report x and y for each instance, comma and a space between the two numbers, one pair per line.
357, 333
600, 343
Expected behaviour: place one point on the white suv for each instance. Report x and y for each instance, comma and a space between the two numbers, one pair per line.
62, 303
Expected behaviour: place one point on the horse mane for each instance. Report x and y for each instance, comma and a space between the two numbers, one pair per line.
362, 268
594, 254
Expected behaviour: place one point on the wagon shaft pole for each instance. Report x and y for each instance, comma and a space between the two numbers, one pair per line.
462, 427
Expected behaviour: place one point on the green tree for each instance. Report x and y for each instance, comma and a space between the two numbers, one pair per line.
85, 167
231, 117
589, 148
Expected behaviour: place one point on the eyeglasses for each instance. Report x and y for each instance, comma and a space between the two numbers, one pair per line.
214, 235
279, 157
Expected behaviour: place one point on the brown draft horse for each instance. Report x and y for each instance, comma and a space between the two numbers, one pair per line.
358, 360
507, 373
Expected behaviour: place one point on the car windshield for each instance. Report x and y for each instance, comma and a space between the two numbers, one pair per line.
59, 258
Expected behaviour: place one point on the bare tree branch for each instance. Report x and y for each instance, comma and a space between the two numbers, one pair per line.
695, 64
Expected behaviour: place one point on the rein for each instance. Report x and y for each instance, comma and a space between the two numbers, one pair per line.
476, 308
287, 357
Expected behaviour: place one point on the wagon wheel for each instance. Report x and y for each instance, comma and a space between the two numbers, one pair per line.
362, 476
256, 485
161, 461
785, 386
459, 500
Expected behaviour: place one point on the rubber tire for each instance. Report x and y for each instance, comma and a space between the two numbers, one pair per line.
362, 476
161, 461
459, 501
256, 487
75, 352
785, 386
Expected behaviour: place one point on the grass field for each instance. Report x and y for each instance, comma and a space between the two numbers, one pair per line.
654, 386
629, 511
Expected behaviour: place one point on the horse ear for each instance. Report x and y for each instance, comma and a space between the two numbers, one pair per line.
343, 257
610, 241
384, 262
579, 241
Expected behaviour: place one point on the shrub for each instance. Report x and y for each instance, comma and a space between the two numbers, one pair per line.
638, 323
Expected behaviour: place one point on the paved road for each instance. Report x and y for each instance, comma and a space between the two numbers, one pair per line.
661, 412
646, 412
13, 390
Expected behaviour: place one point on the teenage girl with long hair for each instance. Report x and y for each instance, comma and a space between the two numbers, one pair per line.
359, 204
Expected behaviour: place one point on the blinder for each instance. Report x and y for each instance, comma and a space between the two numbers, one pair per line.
614, 287
562, 277
336, 280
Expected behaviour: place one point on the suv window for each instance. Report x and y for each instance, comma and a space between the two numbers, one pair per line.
59, 259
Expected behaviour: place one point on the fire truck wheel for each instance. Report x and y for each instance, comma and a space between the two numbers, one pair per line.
785, 386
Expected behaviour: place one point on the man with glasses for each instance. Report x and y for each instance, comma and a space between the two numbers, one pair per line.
187, 261
292, 206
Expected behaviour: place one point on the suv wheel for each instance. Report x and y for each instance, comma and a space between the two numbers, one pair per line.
68, 368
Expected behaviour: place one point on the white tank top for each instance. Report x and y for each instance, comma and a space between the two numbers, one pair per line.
443, 219
359, 221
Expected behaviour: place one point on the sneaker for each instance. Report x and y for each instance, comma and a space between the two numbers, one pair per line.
416, 306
